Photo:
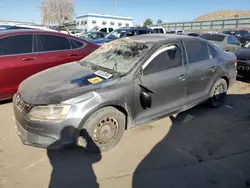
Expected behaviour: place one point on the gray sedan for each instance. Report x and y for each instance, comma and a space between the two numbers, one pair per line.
124, 83
229, 43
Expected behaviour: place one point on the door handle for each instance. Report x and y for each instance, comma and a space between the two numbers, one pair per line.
28, 59
213, 69
73, 55
182, 77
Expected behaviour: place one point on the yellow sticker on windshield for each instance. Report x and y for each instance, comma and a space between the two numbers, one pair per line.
95, 80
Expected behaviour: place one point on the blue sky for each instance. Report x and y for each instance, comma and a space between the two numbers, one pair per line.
167, 10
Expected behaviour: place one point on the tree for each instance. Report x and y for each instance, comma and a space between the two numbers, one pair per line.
148, 22
57, 11
159, 21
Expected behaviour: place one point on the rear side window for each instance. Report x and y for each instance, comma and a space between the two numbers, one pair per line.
167, 59
213, 37
54, 43
196, 51
18, 44
76, 44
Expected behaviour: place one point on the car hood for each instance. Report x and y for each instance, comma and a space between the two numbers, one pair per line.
101, 40
243, 54
63, 82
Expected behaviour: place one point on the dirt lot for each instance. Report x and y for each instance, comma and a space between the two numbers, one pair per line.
200, 148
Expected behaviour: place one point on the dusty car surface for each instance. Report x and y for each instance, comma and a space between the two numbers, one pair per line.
229, 43
125, 83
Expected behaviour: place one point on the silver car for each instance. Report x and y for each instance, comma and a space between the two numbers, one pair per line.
229, 43
124, 83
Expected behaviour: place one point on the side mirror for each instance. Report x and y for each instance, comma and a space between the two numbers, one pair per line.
145, 97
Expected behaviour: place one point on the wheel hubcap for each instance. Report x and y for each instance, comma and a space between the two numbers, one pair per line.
219, 92
106, 130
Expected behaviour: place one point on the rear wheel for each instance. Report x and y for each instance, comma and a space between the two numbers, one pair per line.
102, 130
218, 93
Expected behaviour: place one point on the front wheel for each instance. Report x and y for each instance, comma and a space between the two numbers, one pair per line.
102, 130
218, 93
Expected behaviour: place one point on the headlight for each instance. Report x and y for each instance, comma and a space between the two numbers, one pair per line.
49, 112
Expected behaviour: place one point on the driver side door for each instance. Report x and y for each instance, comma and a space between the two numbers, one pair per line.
164, 79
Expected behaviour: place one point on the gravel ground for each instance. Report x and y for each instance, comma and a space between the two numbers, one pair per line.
201, 148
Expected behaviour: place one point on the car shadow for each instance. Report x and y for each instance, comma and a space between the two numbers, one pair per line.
5, 101
204, 147
73, 167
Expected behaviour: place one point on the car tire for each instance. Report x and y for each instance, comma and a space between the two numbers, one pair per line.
102, 130
218, 93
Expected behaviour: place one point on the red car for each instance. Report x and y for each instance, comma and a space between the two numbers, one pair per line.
26, 52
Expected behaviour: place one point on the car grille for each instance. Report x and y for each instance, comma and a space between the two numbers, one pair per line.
25, 107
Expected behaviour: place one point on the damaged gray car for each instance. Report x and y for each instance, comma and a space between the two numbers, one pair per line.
124, 83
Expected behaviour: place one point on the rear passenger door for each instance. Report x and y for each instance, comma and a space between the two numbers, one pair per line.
16, 59
165, 75
202, 69
54, 50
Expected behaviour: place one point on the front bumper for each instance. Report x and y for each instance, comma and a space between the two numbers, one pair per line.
243, 70
51, 135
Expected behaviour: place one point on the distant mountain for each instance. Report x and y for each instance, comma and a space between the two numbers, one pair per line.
223, 14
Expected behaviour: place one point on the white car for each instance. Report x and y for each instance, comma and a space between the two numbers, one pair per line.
158, 29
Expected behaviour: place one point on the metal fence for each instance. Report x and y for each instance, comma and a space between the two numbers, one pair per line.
209, 25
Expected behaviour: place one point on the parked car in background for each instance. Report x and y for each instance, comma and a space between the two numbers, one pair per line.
193, 34
179, 32
92, 35
102, 29
158, 29
228, 43
19, 26
243, 65
127, 82
26, 52
242, 35
123, 32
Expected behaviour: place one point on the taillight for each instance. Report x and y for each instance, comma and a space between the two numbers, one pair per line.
235, 61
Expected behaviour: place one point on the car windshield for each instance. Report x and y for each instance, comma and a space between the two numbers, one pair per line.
229, 32
116, 34
213, 37
119, 56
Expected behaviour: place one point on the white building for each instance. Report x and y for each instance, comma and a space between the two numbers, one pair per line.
87, 22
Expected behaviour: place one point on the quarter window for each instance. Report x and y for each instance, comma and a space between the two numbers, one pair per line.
76, 44
196, 51
170, 58
54, 43
18, 44
212, 52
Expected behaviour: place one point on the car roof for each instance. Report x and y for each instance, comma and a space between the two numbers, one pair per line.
28, 31
154, 38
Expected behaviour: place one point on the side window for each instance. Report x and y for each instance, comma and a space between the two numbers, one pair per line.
230, 40
111, 29
18, 44
104, 30
236, 41
156, 30
76, 44
212, 52
196, 51
54, 43
142, 31
101, 35
167, 59
161, 30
